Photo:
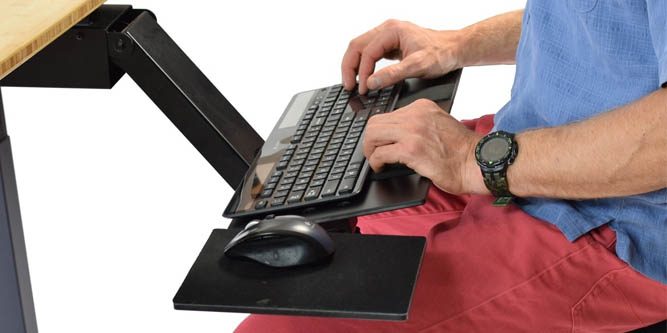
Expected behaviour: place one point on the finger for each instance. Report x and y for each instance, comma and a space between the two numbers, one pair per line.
382, 44
380, 135
407, 68
386, 154
352, 57
349, 68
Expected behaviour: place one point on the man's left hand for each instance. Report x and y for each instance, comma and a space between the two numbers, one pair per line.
428, 140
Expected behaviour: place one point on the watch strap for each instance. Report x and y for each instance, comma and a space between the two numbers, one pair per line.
497, 183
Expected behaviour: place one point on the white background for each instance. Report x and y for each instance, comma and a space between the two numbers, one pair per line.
117, 204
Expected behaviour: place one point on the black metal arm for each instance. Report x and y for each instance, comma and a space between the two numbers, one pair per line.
119, 39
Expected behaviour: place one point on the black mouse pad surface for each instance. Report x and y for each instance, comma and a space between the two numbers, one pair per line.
369, 276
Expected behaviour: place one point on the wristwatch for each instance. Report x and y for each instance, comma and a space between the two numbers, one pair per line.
495, 153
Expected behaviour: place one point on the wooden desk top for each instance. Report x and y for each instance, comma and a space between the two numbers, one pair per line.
27, 26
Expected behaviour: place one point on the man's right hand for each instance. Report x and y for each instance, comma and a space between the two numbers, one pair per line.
423, 53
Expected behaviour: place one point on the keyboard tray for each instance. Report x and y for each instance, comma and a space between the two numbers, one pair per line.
370, 277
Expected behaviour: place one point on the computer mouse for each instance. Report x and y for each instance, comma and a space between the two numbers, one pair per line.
282, 241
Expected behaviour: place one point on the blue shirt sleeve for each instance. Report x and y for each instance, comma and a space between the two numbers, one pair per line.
657, 16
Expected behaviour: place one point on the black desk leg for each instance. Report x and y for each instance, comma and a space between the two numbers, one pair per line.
17, 310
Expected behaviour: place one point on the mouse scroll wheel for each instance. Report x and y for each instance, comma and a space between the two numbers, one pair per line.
251, 224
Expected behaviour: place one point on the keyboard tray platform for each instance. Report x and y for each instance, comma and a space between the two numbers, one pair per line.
360, 281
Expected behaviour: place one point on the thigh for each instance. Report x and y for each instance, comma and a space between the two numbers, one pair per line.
498, 269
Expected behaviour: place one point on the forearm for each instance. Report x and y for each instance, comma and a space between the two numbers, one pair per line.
618, 153
492, 41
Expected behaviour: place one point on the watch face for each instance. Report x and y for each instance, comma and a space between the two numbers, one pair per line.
495, 149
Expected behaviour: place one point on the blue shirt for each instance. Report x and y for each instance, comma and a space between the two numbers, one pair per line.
578, 58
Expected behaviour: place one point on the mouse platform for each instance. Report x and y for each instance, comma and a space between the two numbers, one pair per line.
376, 285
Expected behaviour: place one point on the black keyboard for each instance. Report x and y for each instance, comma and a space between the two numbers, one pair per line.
325, 161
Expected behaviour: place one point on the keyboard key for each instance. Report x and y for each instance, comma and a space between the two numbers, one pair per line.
339, 135
303, 180
278, 202
354, 165
329, 188
322, 170
331, 151
317, 182
339, 164
340, 130
307, 142
277, 173
281, 165
295, 197
351, 174
335, 176
299, 161
350, 146
329, 158
335, 145
261, 204
285, 187
299, 187
280, 194
346, 186
319, 176
266, 193
357, 129
339, 140
312, 193
288, 180
338, 170
296, 139
344, 158
351, 140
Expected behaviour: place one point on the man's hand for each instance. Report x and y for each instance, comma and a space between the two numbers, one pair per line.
428, 140
424, 53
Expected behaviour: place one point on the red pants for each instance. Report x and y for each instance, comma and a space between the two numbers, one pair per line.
492, 269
